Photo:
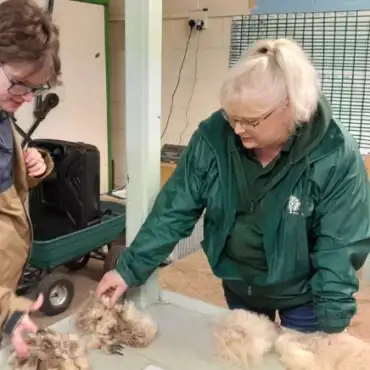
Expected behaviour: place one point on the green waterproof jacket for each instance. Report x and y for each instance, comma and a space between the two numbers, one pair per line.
317, 228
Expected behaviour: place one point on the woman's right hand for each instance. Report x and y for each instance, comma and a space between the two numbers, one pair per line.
111, 285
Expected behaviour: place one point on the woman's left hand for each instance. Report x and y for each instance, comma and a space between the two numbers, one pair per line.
35, 164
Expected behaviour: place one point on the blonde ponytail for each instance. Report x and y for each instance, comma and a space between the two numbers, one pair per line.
302, 83
271, 72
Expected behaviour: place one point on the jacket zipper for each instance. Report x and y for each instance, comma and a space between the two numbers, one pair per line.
249, 290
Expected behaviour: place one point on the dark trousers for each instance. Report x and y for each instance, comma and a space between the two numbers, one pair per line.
300, 318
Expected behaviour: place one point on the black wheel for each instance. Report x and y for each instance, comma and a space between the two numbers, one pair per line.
58, 292
78, 264
115, 251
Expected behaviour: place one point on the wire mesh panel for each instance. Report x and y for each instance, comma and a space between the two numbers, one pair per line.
338, 44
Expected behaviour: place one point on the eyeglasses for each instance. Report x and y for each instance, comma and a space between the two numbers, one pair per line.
243, 122
18, 88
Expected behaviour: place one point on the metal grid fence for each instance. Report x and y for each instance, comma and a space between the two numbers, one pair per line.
338, 44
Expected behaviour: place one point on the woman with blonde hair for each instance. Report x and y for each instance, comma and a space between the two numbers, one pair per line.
285, 194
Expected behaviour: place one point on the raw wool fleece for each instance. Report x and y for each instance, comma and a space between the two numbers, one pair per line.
244, 338
112, 327
50, 350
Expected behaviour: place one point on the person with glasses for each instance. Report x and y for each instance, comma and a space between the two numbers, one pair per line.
285, 194
29, 66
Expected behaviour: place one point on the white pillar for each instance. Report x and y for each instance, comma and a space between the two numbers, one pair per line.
143, 50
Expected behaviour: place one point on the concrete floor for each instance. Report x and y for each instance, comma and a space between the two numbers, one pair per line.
184, 340
84, 280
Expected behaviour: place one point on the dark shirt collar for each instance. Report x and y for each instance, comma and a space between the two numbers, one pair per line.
3, 116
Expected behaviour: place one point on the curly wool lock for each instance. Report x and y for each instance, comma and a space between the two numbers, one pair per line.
50, 350
244, 339
112, 327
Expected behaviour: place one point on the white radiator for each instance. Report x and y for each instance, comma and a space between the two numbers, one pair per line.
188, 245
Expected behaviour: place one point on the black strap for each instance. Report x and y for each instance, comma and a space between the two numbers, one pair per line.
17, 128
12, 322
27, 138
20, 131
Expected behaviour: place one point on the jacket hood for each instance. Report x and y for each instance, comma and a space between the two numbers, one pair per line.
310, 134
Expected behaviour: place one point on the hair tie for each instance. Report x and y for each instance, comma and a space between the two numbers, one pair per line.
263, 50
266, 51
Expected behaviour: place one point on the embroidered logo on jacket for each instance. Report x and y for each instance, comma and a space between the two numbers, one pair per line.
294, 205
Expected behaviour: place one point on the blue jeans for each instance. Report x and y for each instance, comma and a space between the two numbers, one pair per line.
300, 318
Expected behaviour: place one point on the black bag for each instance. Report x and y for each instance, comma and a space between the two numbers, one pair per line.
69, 198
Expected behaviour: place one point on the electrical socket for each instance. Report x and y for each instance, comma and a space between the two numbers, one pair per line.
199, 15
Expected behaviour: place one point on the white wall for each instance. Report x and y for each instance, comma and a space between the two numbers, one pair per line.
204, 68
197, 94
216, 8
181, 8
81, 113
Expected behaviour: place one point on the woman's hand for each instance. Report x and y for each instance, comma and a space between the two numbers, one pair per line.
111, 285
24, 326
35, 164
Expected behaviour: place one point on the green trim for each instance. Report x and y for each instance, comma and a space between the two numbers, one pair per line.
97, 2
105, 3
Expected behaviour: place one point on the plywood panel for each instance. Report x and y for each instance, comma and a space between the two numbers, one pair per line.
167, 170
81, 113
